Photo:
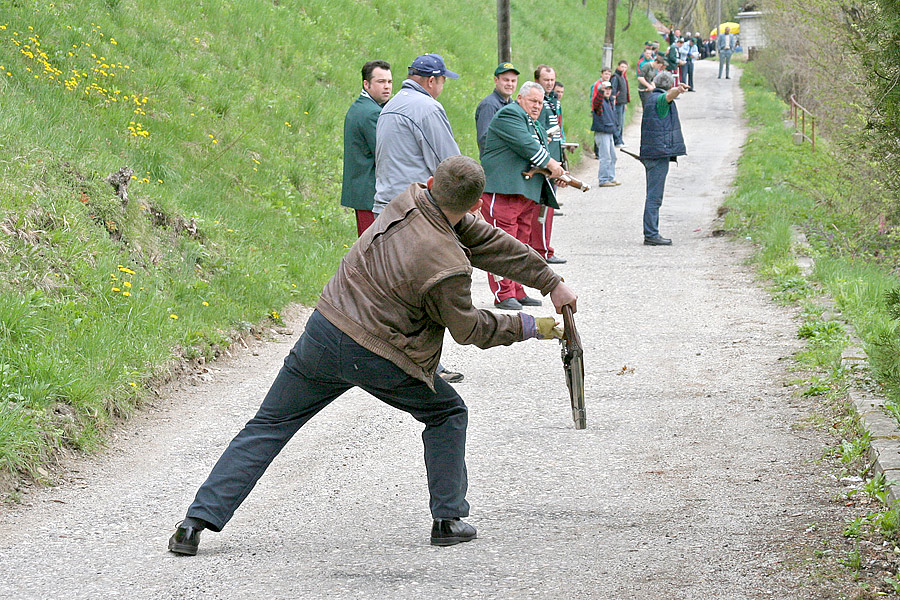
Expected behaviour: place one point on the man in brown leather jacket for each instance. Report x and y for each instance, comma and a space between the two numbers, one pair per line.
379, 325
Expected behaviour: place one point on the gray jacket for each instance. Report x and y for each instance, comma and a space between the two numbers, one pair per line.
412, 137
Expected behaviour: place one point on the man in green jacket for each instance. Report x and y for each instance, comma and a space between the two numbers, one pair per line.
358, 188
515, 142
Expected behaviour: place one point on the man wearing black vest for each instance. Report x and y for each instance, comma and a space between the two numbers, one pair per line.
661, 143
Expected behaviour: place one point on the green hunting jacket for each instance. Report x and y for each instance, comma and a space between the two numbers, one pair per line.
514, 143
358, 186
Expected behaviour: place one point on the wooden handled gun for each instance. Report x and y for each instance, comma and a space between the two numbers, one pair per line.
575, 183
573, 365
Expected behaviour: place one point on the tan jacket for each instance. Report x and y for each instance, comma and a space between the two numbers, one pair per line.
410, 276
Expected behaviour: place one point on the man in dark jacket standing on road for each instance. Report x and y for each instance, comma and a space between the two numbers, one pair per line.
358, 187
621, 97
379, 325
506, 78
661, 143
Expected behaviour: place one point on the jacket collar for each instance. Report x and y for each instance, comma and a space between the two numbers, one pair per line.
409, 84
501, 98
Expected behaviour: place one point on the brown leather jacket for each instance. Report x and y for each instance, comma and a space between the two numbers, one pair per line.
410, 276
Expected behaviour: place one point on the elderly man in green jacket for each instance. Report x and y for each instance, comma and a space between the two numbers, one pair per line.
358, 187
515, 142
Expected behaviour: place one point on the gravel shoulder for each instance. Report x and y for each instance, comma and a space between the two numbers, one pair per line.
691, 481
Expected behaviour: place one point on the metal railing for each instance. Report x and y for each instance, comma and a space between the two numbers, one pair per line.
798, 113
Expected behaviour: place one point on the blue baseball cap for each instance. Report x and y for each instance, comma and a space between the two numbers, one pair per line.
429, 65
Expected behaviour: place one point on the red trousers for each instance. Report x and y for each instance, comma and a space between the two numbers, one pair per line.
514, 215
540, 234
364, 220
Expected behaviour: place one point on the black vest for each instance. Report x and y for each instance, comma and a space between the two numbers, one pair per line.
660, 136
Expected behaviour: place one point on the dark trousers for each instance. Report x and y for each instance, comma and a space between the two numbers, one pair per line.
656, 170
324, 364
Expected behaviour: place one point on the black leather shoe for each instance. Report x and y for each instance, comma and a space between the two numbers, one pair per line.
556, 260
529, 301
509, 304
657, 241
447, 532
185, 540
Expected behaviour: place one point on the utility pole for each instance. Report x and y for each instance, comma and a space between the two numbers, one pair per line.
718, 21
610, 36
504, 46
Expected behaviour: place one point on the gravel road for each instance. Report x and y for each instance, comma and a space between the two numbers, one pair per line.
689, 483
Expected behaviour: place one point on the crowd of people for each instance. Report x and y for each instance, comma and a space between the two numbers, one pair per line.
425, 216
380, 322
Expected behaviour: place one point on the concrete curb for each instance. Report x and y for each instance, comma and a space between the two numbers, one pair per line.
884, 450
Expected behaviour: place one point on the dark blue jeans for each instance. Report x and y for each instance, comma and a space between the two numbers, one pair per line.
324, 364
656, 169
620, 124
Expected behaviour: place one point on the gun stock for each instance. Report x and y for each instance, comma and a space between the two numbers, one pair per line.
575, 183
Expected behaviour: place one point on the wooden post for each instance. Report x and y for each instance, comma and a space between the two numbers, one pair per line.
504, 47
610, 37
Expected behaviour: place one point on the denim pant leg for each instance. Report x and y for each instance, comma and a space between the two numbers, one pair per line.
305, 385
620, 124
606, 154
442, 411
656, 171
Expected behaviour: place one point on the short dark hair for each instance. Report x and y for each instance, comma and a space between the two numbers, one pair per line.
623, 62
458, 183
559, 84
370, 67
541, 68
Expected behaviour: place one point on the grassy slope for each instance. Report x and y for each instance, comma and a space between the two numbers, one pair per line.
230, 114
780, 185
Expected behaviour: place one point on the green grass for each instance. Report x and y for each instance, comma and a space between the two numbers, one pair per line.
230, 114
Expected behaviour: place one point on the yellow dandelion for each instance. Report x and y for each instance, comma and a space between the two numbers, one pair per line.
173, 316
132, 384
126, 293
127, 284
115, 289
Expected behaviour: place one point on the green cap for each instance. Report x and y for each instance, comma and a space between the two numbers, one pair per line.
504, 67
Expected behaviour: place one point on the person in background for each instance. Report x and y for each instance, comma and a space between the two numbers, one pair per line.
648, 72
413, 136
506, 78
516, 142
621, 98
725, 45
541, 229
661, 143
603, 124
358, 185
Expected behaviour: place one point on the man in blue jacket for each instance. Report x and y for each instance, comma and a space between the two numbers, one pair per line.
604, 126
661, 143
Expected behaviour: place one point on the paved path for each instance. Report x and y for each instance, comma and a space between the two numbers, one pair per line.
688, 483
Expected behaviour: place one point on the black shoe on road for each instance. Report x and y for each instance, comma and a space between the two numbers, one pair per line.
657, 241
509, 304
529, 301
447, 532
185, 540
